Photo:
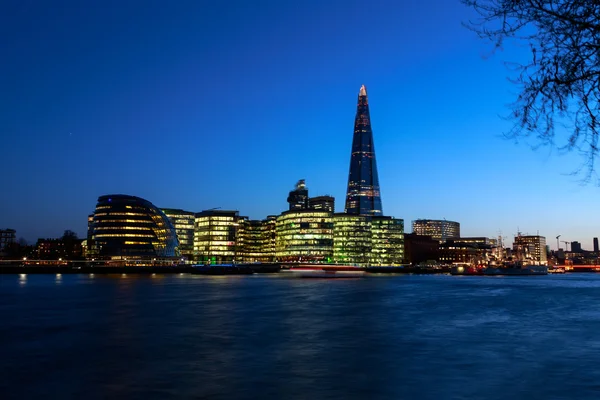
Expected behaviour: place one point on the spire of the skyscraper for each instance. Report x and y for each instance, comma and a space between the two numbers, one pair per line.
363, 197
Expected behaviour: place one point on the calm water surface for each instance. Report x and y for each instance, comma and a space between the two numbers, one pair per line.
272, 337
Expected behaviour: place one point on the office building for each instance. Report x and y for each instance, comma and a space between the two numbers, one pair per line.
440, 230
363, 194
420, 249
576, 247
7, 237
304, 236
215, 236
183, 222
387, 241
130, 228
352, 239
596, 245
298, 198
531, 247
323, 203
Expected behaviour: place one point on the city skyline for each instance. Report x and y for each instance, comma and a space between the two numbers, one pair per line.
193, 123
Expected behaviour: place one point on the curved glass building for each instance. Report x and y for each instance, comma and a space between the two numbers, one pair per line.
129, 227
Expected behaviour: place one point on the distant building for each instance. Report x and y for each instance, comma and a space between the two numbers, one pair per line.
576, 247
440, 230
304, 236
325, 203
352, 239
530, 247
54, 249
7, 237
419, 248
363, 194
387, 241
215, 236
183, 222
130, 228
298, 198
596, 245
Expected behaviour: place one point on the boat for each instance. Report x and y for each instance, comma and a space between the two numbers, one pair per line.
466, 269
516, 268
556, 270
221, 269
324, 271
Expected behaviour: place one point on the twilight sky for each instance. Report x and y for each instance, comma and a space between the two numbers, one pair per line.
202, 104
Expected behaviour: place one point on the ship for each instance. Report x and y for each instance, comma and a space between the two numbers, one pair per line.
516, 268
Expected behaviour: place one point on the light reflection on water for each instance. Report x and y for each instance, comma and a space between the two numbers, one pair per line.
426, 337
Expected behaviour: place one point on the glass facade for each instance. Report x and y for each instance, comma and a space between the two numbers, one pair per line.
256, 240
127, 227
441, 230
387, 241
363, 195
183, 222
304, 236
351, 239
215, 236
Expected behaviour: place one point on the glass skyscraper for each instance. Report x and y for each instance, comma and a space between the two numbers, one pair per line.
363, 196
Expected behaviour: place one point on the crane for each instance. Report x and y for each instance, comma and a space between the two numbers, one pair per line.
566, 245
557, 244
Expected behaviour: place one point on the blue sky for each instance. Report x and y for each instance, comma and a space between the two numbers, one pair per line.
200, 104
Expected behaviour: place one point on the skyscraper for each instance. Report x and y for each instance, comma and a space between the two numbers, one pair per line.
298, 198
363, 196
595, 245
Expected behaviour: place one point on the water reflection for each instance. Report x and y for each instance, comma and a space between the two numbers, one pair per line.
172, 336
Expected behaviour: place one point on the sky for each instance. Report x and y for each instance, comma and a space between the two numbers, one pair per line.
203, 104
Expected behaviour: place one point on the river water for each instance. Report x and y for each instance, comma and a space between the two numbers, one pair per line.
273, 337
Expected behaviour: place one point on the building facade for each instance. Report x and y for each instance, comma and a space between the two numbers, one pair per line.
420, 249
323, 203
530, 247
215, 236
352, 239
363, 194
304, 236
7, 238
440, 230
130, 228
183, 222
387, 241
298, 198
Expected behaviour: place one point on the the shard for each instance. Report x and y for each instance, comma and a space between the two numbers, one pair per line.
363, 196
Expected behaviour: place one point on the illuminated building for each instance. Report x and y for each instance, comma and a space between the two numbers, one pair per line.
256, 240
363, 195
441, 230
298, 198
351, 239
304, 236
530, 247
387, 241
7, 237
325, 203
183, 222
215, 236
130, 228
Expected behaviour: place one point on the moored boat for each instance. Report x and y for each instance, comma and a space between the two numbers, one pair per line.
516, 269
